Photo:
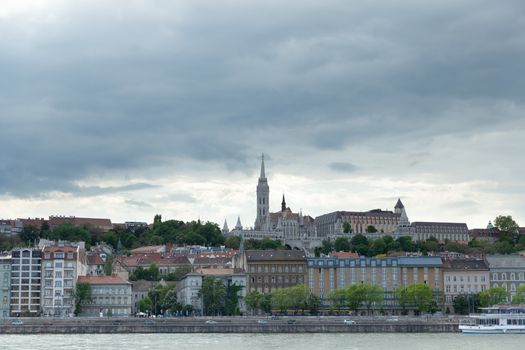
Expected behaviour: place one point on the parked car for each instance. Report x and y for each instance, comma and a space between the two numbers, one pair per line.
291, 321
211, 322
116, 322
149, 322
262, 321
17, 322
348, 321
392, 319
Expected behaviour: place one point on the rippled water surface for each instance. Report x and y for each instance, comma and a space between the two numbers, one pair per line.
261, 342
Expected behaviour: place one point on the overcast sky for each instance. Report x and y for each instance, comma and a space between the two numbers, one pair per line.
125, 109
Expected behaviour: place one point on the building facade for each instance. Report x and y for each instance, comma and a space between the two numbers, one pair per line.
507, 271
291, 228
61, 265
5, 285
332, 225
111, 295
464, 276
268, 270
327, 274
25, 281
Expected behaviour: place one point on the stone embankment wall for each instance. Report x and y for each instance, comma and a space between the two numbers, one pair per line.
41, 326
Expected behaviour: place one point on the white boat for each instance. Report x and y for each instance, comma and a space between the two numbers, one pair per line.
497, 320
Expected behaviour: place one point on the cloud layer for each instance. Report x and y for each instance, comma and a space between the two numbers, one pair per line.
165, 106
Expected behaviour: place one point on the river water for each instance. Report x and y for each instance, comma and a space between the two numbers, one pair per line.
261, 342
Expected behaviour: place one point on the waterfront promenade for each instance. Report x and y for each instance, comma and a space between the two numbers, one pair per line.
231, 325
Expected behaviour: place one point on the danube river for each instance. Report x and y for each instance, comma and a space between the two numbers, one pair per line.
260, 341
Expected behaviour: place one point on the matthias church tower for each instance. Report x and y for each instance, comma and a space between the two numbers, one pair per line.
263, 198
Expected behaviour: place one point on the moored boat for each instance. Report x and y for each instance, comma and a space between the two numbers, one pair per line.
497, 319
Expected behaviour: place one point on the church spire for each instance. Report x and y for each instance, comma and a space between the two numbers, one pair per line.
263, 174
283, 204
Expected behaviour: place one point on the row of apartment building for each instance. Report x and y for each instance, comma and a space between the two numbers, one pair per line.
269, 270
42, 281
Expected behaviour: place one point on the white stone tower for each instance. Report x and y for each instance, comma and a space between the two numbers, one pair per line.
263, 199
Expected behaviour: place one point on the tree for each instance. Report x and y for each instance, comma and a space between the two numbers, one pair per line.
338, 298
415, 295
355, 296
253, 299
314, 303
179, 273
265, 304
30, 234
83, 295
231, 303
213, 294
360, 244
170, 302
145, 304
493, 296
233, 242
347, 227
519, 298
70, 232
371, 229
326, 247
506, 224
151, 273
109, 264
280, 300
342, 244
461, 304
373, 295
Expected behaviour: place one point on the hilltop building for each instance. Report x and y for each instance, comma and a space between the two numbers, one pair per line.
294, 229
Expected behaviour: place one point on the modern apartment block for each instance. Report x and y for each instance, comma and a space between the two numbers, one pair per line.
61, 264
328, 274
5, 285
25, 281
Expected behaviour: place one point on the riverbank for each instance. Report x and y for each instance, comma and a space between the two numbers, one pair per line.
227, 325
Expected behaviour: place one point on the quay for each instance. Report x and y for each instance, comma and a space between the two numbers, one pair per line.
227, 325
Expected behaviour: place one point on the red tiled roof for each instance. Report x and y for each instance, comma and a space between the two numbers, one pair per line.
102, 280
147, 249
343, 255
94, 259
56, 248
147, 259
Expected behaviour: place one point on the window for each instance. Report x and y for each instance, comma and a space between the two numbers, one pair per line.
70, 256
59, 255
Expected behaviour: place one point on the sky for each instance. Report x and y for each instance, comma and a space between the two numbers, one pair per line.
127, 109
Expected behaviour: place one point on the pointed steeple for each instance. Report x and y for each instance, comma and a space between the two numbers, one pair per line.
238, 226
263, 173
283, 204
225, 228
399, 206
403, 219
241, 244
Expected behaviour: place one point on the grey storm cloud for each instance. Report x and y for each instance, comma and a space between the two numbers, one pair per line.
343, 167
130, 85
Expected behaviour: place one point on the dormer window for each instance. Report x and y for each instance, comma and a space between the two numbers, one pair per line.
59, 255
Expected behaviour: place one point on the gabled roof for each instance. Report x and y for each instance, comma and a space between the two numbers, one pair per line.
506, 261
94, 259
